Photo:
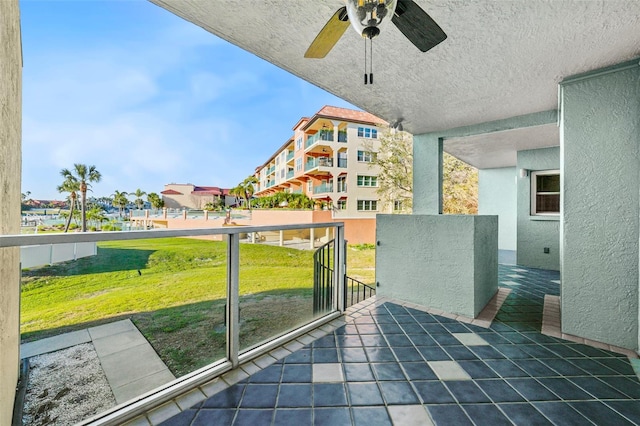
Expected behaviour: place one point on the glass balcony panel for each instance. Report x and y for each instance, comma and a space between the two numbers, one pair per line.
342, 162
276, 285
323, 188
289, 174
342, 136
156, 306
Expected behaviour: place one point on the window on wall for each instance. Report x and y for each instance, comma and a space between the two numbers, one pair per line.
299, 143
298, 164
342, 204
366, 156
367, 180
545, 193
367, 205
397, 205
366, 132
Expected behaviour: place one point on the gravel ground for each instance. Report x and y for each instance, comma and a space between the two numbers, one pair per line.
66, 387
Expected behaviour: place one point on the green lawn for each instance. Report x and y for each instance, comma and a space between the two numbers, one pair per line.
174, 290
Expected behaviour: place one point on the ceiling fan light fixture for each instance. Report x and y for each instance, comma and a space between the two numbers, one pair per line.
369, 17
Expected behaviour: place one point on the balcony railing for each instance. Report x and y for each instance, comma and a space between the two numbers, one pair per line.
270, 183
322, 135
289, 174
323, 188
213, 290
290, 155
271, 170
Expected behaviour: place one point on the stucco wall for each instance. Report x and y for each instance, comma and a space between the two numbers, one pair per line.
10, 172
497, 195
453, 261
536, 233
427, 174
600, 135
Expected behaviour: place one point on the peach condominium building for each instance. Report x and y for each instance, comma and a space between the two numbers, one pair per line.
329, 158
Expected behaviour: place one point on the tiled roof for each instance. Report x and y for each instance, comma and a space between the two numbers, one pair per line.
349, 114
171, 192
209, 190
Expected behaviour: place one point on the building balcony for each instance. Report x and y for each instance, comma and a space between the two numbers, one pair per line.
342, 136
270, 183
290, 155
318, 162
323, 188
271, 170
290, 174
322, 135
385, 357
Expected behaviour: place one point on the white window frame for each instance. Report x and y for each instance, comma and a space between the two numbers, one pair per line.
367, 133
342, 204
534, 192
367, 181
299, 143
367, 205
367, 156
298, 164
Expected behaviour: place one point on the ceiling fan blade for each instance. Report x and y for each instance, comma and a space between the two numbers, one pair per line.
417, 26
329, 35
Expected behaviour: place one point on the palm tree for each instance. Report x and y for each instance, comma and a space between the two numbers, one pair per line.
155, 200
72, 187
237, 192
139, 193
83, 175
248, 188
119, 200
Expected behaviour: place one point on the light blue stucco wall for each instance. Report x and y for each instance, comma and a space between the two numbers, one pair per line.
427, 155
447, 262
600, 136
497, 195
536, 233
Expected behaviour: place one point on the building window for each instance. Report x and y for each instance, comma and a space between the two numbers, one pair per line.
342, 184
545, 193
298, 164
367, 205
366, 156
309, 186
367, 180
282, 174
299, 143
397, 205
342, 204
366, 132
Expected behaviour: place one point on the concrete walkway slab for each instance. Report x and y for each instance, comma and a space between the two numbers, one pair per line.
55, 343
129, 362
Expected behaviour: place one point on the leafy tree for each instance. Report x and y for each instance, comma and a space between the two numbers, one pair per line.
83, 175
119, 199
284, 200
139, 193
394, 161
459, 186
72, 187
395, 178
155, 200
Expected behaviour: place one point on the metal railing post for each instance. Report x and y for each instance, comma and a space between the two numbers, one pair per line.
339, 269
233, 298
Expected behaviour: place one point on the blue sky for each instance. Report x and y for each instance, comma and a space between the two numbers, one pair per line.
147, 98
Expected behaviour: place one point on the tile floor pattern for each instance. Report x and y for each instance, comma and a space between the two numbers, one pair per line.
404, 366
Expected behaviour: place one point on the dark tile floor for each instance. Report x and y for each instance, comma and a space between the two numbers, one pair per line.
395, 360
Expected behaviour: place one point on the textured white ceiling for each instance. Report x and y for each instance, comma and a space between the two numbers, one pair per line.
502, 58
499, 149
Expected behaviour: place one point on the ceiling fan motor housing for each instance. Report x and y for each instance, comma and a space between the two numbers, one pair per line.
369, 17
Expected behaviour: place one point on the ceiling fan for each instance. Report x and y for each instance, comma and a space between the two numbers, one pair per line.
368, 17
